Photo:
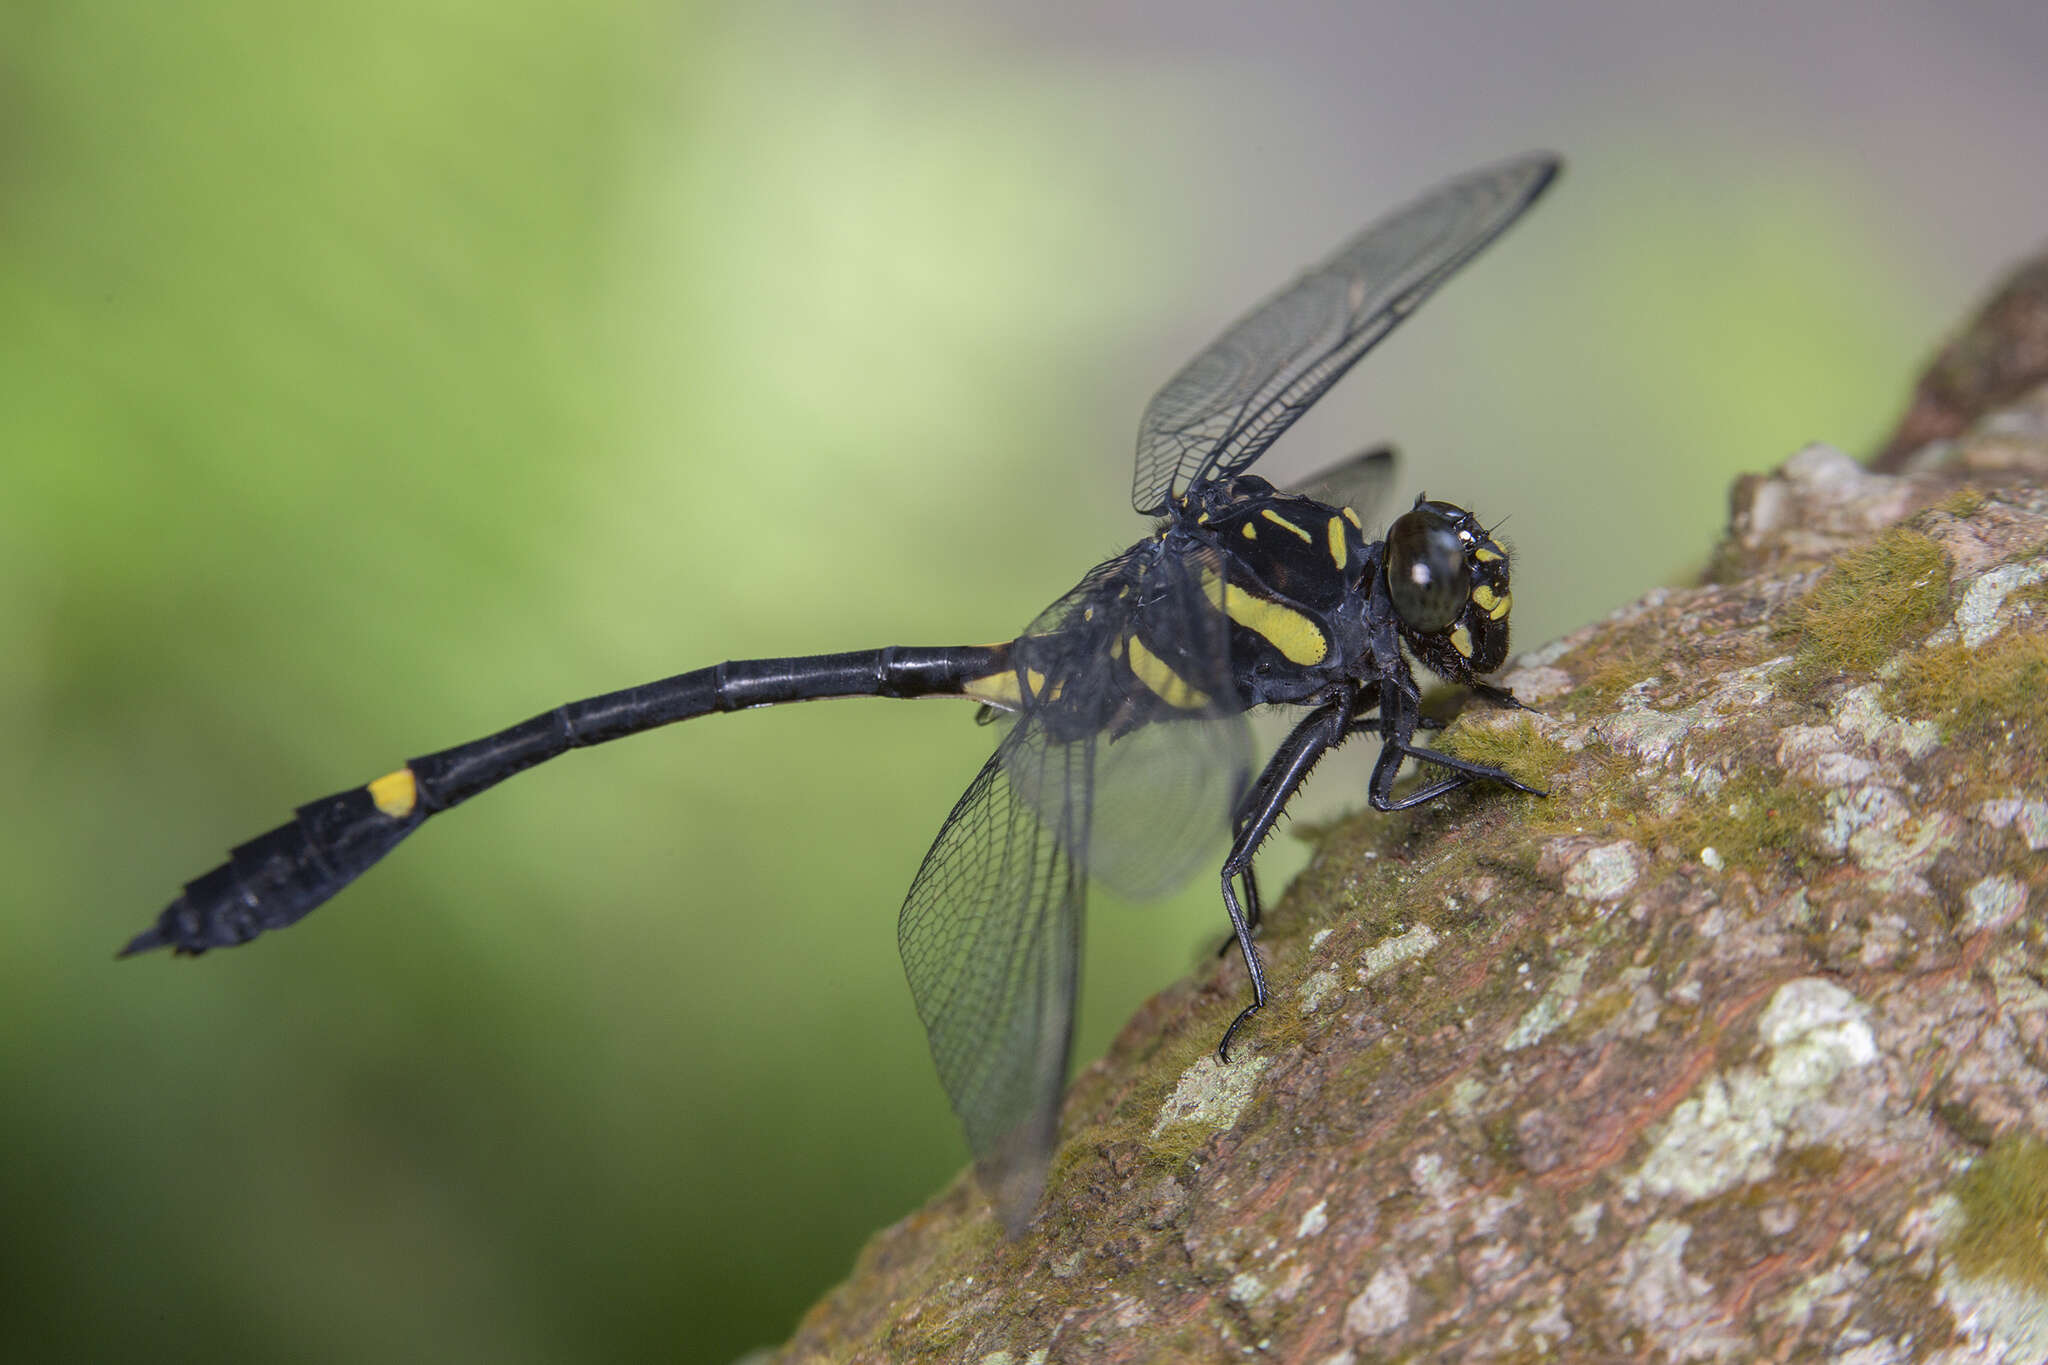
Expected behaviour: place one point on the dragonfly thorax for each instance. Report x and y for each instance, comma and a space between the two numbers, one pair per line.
1288, 575
1283, 545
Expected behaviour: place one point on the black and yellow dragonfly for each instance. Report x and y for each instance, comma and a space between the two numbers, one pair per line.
1124, 750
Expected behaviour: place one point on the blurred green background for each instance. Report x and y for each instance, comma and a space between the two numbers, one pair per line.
378, 374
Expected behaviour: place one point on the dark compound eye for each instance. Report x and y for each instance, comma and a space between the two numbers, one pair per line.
1427, 576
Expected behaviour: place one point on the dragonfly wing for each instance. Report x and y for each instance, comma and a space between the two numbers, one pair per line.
1097, 773
991, 938
1360, 483
1162, 778
1236, 397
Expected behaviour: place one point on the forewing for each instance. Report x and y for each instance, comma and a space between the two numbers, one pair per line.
990, 935
1233, 400
1360, 483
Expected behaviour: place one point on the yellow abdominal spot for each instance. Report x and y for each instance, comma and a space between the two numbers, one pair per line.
1170, 687
1298, 639
395, 794
1461, 640
1270, 515
1001, 691
1339, 554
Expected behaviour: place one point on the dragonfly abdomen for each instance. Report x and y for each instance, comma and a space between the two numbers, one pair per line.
279, 877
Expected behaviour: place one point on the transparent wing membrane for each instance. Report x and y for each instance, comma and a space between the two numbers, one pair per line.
1360, 483
1163, 775
990, 935
1096, 774
1232, 401
1163, 799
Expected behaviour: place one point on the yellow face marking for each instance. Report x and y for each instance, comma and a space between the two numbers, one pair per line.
395, 794
1494, 604
1340, 554
1251, 532
1486, 556
1168, 685
1461, 640
1298, 639
1352, 517
1000, 689
1270, 515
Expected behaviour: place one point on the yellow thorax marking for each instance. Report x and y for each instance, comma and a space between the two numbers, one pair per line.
1352, 517
1171, 688
1340, 554
1270, 515
1486, 556
1298, 639
1461, 640
1251, 532
395, 794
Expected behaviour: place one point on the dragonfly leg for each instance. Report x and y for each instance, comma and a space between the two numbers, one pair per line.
1321, 731
1493, 696
1395, 746
1254, 911
1499, 696
1255, 797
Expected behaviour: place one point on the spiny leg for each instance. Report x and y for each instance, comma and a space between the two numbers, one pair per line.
1256, 797
1466, 770
1395, 746
1323, 730
1493, 696
1257, 794
1499, 696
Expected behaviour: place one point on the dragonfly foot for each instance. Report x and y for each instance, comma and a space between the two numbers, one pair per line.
1243, 1016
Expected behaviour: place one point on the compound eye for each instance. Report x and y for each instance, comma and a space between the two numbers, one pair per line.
1427, 576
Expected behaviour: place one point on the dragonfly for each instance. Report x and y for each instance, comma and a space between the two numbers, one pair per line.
1123, 748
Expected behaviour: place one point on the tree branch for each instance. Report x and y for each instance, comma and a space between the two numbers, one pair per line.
1736, 1047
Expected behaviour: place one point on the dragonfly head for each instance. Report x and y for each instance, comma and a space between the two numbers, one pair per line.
1448, 581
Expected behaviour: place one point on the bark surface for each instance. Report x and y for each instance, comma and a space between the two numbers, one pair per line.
1734, 1048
